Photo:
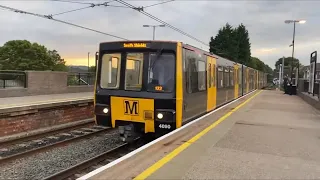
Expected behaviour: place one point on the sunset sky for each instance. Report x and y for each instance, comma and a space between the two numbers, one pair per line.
270, 37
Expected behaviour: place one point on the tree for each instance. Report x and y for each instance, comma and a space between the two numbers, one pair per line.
288, 64
24, 55
92, 69
232, 43
224, 44
243, 45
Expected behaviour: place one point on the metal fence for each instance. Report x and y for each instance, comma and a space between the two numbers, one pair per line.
13, 79
81, 79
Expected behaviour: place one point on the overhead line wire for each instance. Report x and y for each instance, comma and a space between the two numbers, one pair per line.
75, 2
158, 4
161, 21
72, 11
92, 5
57, 20
114, 5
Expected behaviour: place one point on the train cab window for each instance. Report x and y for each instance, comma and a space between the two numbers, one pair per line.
202, 85
161, 72
110, 71
134, 64
220, 77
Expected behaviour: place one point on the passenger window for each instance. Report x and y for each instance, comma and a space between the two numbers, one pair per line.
214, 76
192, 74
196, 72
220, 77
202, 76
231, 74
235, 75
209, 75
239, 77
245, 75
110, 71
226, 77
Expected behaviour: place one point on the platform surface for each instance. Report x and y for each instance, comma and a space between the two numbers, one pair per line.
271, 136
28, 101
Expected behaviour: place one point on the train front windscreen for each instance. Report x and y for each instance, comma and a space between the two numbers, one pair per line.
143, 71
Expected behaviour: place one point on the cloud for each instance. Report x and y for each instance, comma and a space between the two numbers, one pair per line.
270, 37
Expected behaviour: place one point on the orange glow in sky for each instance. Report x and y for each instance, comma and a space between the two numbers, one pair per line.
79, 61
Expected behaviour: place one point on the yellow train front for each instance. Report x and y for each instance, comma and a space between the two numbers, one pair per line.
157, 86
136, 88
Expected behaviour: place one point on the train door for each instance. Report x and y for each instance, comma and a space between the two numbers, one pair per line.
211, 92
236, 83
195, 84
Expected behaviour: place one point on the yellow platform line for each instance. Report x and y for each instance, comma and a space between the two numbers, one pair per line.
182, 147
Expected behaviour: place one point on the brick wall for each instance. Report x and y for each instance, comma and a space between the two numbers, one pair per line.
44, 118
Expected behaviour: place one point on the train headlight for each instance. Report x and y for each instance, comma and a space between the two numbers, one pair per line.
159, 115
105, 110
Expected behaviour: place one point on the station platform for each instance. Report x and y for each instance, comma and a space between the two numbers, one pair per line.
264, 135
12, 104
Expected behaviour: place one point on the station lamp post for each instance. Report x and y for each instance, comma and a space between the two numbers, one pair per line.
294, 33
154, 28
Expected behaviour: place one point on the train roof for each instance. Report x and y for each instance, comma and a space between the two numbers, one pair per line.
188, 46
163, 41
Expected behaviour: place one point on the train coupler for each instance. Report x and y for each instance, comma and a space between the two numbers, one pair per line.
127, 133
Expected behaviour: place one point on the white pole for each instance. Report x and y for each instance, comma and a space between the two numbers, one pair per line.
282, 71
280, 76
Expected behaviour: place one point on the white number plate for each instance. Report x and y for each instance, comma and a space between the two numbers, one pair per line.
164, 126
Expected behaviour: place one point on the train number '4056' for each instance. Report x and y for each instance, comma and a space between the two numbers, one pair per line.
164, 126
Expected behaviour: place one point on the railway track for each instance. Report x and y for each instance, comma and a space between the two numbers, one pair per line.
91, 164
46, 141
52, 132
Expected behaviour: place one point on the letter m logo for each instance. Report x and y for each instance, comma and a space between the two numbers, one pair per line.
131, 107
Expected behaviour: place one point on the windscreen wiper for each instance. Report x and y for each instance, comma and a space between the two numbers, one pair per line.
159, 53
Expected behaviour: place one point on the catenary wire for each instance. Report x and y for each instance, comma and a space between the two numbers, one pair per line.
57, 20
114, 5
92, 5
65, 12
74, 2
161, 21
157, 4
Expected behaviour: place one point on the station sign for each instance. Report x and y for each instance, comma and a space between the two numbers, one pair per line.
135, 45
313, 67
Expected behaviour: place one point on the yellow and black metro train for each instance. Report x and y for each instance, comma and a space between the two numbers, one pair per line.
158, 86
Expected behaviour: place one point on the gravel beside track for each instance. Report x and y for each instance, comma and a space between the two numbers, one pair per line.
44, 164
